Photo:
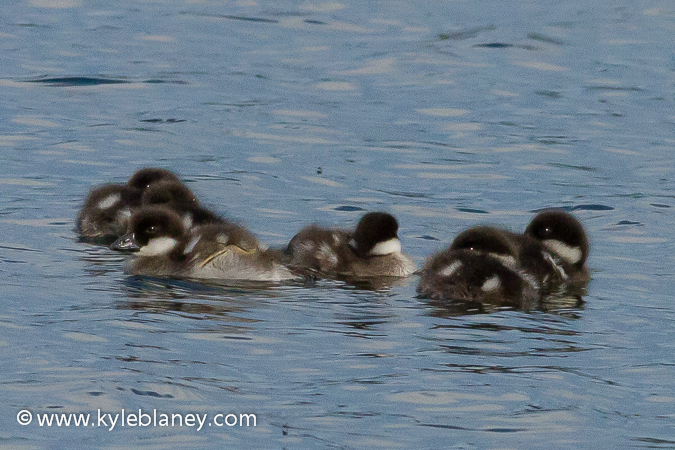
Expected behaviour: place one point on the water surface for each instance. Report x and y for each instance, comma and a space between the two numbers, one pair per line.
446, 113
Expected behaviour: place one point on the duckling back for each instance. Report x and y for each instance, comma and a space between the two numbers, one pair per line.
229, 251
320, 250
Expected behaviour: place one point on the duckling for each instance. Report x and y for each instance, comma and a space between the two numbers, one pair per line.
178, 197
143, 179
371, 250
471, 277
164, 246
105, 214
520, 253
496, 242
564, 239
157, 236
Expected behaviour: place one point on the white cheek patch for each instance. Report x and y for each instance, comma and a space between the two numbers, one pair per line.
386, 248
109, 201
158, 246
571, 255
223, 238
507, 260
452, 268
191, 245
491, 284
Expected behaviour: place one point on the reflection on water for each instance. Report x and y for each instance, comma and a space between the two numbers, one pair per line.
282, 114
565, 304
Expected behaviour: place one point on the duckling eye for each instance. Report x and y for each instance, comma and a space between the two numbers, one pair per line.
151, 229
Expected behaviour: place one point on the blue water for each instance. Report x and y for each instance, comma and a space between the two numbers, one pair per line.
282, 113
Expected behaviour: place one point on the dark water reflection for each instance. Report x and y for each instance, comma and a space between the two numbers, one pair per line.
281, 114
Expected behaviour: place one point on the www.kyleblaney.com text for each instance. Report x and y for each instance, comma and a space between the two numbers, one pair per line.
135, 418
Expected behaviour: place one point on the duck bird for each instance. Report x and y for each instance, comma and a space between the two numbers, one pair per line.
501, 244
371, 250
518, 252
176, 196
481, 266
475, 278
143, 179
565, 243
105, 214
164, 246
489, 265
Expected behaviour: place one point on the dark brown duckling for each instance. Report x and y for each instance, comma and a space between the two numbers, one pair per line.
471, 277
371, 250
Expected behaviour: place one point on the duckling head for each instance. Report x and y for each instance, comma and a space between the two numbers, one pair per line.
561, 234
376, 235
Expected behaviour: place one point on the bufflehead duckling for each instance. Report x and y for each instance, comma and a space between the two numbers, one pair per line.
105, 214
496, 242
475, 278
157, 235
164, 246
371, 250
178, 197
142, 179
103, 217
520, 253
564, 239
